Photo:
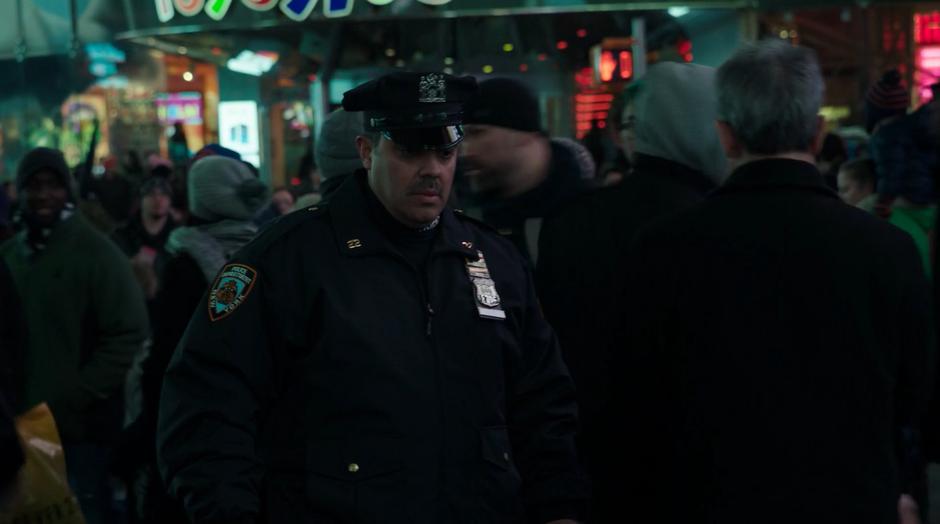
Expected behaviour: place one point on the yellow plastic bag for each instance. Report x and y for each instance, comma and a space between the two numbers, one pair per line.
42, 491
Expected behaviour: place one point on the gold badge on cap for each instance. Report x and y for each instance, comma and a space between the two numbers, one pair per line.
484, 289
432, 88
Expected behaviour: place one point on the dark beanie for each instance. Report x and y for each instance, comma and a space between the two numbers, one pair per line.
506, 103
886, 98
156, 183
44, 158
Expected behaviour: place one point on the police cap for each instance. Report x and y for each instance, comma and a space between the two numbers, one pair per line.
420, 111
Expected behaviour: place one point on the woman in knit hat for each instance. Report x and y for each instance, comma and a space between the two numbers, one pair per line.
224, 195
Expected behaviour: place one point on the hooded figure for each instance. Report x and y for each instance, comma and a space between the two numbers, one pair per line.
678, 160
84, 322
224, 195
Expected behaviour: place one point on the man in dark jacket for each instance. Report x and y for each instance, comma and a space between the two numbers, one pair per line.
747, 400
379, 359
517, 176
677, 160
85, 321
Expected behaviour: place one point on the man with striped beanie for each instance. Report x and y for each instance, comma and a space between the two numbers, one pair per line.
886, 98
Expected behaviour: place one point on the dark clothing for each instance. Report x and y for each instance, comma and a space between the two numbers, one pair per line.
349, 387
520, 218
12, 338
11, 454
133, 236
329, 186
580, 255
85, 322
116, 195
905, 155
183, 285
748, 398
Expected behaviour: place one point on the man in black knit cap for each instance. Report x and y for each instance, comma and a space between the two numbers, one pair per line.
517, 175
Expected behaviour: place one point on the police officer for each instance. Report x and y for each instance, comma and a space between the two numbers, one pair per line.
379, 359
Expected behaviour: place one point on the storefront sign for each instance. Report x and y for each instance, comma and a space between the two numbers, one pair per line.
297, 10
184, 108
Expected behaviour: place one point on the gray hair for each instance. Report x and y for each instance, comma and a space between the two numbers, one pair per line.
770, 94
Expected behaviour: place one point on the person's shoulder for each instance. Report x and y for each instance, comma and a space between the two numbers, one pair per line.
287, 230
487, 237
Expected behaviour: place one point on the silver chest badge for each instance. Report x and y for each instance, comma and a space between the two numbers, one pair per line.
484, 289
432, 88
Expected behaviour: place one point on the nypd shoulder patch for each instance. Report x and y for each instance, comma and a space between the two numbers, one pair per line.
230, 290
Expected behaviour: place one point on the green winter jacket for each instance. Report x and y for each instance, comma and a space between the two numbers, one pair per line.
85, 322
917, 222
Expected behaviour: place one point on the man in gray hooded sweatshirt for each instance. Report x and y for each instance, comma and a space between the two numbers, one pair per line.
678, 160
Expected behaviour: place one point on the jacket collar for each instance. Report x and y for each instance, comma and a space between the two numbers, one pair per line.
357, 235
776, 173
661, 167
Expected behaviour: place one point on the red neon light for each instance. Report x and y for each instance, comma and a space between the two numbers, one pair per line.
607, 66
684, 47
584, 77
601, 124
626, 65
542, 57
582, 33
562, 45
523, 67
927, 28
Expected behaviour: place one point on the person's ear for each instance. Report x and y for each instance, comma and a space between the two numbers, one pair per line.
364, 145
729, 141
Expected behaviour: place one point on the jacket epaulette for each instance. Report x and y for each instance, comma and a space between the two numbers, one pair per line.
281, 227
461, 214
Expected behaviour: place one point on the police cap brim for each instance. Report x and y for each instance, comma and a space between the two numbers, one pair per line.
440, 138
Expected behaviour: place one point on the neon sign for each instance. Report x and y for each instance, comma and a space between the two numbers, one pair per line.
297, 10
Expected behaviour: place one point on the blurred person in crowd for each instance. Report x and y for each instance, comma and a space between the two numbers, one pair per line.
393, 343
747, 400
857, 181
144, 237
113, 190
620, 127
831, 156
6, 215
282, 202
584, 159
84, 319
178, 147
132, 166
224, 195
308, 174
213, 150
11, 453
595, 141
902, 146
12, 338
677, 160
335, 151
516, 174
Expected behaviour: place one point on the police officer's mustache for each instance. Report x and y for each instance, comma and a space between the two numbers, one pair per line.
426, 185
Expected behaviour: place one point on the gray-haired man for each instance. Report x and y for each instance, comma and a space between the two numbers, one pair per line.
775, 339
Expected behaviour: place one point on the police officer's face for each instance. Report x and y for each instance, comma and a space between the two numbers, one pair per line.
413, 186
